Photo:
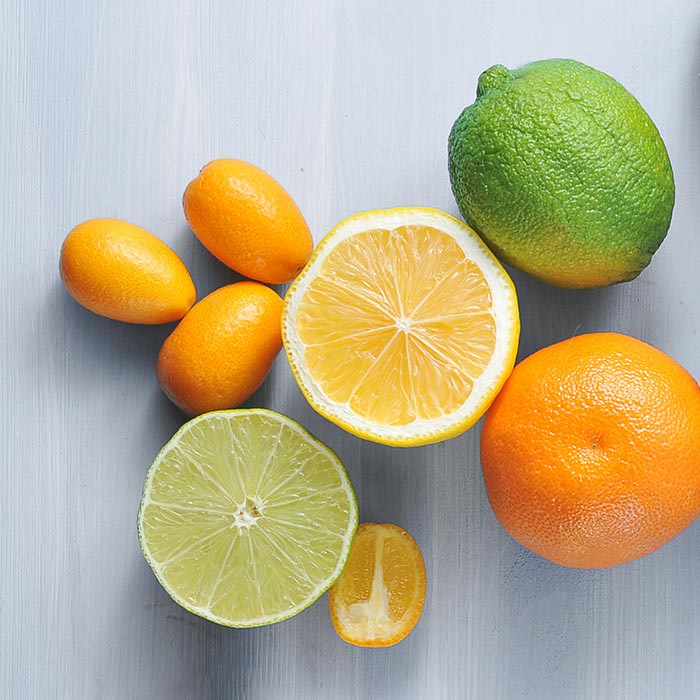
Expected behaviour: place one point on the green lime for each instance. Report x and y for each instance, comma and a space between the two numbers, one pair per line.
562, 173
246, 519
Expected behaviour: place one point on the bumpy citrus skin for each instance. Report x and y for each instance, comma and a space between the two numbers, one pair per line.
121, 271
223, 349
591, 452
248, 221
563, 173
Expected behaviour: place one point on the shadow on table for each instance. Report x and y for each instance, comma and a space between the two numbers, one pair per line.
550, 314
86, 334
566, 633
162, 650
208, 273
98, 343
173, 654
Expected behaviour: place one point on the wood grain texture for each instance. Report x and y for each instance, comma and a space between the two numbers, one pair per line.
109, 109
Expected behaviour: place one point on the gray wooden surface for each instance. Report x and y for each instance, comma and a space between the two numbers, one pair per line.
109, 109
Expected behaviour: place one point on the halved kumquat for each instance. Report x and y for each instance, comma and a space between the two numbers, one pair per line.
379, 596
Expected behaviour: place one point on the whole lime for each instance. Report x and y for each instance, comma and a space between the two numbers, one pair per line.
563, 173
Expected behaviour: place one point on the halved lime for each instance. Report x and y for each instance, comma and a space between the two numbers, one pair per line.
246, 519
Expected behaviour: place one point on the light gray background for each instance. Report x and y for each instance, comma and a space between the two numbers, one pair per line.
109, 109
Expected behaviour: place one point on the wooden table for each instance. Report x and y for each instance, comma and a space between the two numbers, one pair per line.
109, 109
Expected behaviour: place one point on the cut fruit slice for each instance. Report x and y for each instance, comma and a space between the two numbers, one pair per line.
246, 519
379, 596
403, 326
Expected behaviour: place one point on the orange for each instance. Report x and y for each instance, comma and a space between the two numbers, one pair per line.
402, 327
379, 596
248, 221
121, 271
591, 451
221, 352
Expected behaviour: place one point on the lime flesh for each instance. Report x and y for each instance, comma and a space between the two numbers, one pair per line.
246, 519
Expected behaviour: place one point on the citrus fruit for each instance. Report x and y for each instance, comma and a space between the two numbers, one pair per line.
591, 452
248, 221
246, 519
223, 349
379, 596
121, 271
562, 173
402, 327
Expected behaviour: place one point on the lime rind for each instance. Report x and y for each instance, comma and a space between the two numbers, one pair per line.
348, 500
563, 173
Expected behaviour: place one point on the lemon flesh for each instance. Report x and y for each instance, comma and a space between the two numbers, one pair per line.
246, 519
402, 327
562, 173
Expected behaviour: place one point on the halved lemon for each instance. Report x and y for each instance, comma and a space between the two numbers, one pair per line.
245, 518
402, 327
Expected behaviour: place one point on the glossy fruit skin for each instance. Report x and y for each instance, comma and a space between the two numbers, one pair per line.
223, 349
247, 220
121, 271
563, 173
591, 452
